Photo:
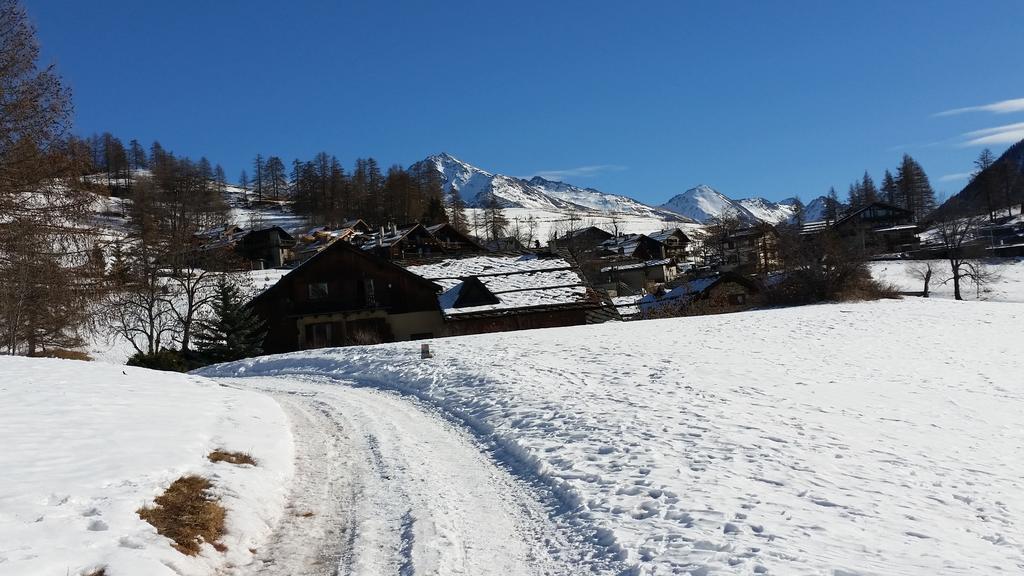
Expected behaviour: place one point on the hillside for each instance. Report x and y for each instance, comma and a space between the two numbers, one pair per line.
1007, 171
758, 451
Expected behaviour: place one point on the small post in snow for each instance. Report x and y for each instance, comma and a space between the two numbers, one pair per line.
425, 351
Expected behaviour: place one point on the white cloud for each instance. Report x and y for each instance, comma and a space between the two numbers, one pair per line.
955, 177
1005, 134
1001, 107
579, 172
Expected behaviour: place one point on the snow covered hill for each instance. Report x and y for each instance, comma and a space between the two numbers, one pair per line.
85, 445
759, 450
475, 185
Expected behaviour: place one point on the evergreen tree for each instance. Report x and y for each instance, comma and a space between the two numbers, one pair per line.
258, 170
232, 331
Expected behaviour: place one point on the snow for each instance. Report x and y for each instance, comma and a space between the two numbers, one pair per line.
771, 212
537, 194
869, 438
703, 203
1007, 286
88, 444
517, 281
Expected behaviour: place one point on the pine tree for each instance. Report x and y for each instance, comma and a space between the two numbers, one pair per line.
232, 331
494, 217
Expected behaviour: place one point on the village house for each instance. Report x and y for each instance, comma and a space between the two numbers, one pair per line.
718, 294
581, 241
266, 247
637, 275
497, 293
454, 242
343, 295
673, 241
753, 250
874, 228
637, 247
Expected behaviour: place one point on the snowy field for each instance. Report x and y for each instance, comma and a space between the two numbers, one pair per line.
85, 445
1007, 286
854, 439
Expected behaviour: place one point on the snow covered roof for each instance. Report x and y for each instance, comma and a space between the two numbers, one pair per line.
663, 235
513, 283
638, 265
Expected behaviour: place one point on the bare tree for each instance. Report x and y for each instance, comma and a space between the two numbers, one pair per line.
955, 236
45, 242
922, 271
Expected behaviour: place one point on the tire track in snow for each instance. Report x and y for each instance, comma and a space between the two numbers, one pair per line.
395, 489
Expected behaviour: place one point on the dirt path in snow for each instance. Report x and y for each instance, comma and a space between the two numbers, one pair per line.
385, 487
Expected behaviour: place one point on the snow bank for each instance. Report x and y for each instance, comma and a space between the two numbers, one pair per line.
87, 444
875, 438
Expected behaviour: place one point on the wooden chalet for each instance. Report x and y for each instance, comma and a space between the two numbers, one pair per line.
873, 228
344, 295
673, 241
637, 274
718, 294
454, 242
634, 246
497, 293
266, 247
753, 250
582, 240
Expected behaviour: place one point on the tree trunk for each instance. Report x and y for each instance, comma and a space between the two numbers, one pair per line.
956, 283
927, 280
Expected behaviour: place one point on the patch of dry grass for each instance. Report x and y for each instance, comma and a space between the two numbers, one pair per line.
231, 457
187, 514
96, 572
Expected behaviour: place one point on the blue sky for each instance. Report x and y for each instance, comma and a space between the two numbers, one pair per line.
754, 97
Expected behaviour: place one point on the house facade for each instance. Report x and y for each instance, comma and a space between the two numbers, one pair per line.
343, 296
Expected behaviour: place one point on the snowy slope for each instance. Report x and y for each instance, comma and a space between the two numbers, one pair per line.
475, 185
759, 450
703, 203
87, 444
771, 212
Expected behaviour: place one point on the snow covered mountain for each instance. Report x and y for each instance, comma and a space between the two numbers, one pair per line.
703, 203
476, 184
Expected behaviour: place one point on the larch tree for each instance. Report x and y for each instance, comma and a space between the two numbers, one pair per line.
45, 243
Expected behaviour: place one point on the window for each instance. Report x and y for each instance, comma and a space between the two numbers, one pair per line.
371, 298
737, 299
317, 290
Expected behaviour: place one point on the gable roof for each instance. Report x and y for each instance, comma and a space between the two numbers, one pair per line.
343, 246
663, 235
853, 213
686, 291
519, 283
